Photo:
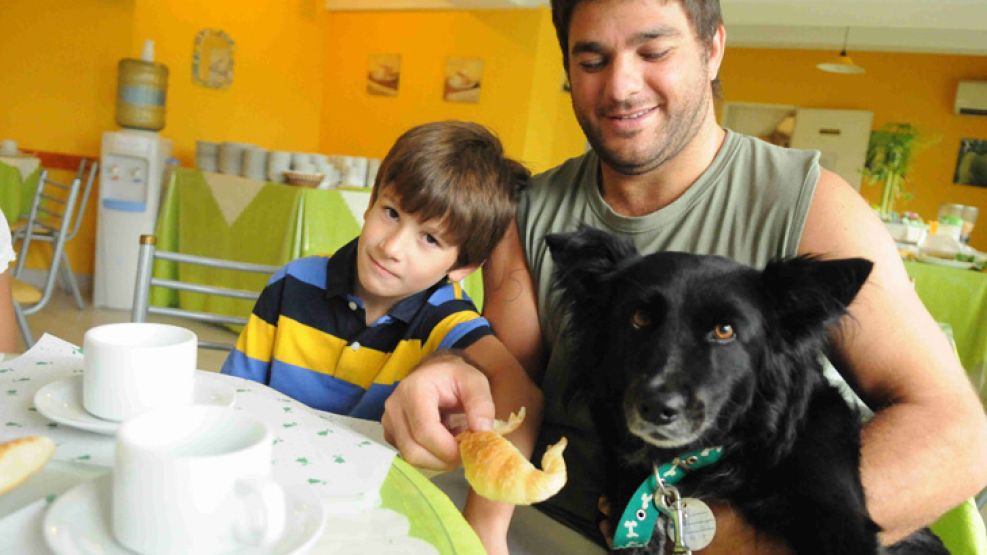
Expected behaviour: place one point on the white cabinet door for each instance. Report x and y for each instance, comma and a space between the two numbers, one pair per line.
840, 135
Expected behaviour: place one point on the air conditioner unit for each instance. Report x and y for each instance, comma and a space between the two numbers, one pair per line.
971, 98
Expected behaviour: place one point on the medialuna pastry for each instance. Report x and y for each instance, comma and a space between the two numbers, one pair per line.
22, 457
498, 471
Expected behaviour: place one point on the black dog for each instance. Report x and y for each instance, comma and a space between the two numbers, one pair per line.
677, 352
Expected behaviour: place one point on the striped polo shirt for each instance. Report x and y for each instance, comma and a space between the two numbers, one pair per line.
307, 336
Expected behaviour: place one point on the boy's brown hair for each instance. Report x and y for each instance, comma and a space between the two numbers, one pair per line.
455, 172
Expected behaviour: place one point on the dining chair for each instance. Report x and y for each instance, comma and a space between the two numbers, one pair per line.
50, 220
86, 174
149, 254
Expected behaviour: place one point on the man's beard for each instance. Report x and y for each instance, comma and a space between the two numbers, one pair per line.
669, 138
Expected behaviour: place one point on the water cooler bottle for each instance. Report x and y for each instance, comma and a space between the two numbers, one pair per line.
131, 172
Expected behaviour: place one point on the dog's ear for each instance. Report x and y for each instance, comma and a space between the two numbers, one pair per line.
812, 294
586, 259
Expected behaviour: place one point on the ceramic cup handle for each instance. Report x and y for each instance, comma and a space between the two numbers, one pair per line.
263, 505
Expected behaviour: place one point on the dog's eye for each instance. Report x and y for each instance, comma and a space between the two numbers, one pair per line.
723, 332
640, 319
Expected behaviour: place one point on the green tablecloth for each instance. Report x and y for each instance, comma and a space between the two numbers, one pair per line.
16, 191
958, 298
251, 221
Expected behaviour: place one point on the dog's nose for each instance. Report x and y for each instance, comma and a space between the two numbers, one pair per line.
662, 409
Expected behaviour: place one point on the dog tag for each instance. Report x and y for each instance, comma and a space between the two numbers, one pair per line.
699, 524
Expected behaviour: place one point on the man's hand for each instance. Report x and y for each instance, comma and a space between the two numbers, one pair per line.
415, 413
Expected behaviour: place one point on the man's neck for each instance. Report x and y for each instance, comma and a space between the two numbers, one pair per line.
639, 195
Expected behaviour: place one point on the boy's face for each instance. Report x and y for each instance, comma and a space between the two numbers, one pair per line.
398, 255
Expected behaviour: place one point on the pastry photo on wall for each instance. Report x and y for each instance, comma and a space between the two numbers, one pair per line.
383, 74
462, 81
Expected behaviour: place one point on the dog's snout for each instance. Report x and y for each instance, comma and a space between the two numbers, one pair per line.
662, 409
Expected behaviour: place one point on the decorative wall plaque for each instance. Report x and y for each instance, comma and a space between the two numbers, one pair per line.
212, 59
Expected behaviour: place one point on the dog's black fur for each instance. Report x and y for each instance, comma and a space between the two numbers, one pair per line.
656, 361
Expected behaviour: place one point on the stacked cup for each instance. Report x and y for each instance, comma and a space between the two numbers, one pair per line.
277, 163
207, 156
231, 158
254, 163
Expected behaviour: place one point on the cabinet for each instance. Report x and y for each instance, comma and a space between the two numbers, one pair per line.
841, 136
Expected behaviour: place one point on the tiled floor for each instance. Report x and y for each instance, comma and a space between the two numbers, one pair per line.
63, 319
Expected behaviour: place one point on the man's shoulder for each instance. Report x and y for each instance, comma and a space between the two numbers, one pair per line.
766, 155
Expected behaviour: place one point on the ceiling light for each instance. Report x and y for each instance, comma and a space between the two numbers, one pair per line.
843, 64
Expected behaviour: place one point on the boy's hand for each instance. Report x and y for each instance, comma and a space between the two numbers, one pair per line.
413, 417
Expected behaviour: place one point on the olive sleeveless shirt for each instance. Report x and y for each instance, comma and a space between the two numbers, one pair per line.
749, 205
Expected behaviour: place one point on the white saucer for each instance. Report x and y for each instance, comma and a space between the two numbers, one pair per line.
61, 401
78, 522
952, 263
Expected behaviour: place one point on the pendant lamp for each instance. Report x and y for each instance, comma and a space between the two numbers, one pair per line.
842, 64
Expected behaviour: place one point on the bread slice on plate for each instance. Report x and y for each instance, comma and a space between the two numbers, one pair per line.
22, 457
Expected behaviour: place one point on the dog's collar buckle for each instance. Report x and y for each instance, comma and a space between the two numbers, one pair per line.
638, 521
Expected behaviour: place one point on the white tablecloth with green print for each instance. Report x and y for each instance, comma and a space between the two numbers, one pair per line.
348, 471
236, 218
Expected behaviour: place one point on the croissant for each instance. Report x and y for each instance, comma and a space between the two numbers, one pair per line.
498, 471
22, 457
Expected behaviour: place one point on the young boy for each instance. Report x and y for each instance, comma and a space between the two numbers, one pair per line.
338, 333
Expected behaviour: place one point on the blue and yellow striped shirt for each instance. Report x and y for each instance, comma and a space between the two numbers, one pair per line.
307, 336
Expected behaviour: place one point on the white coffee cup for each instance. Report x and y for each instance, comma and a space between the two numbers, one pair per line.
193, 480
131, 368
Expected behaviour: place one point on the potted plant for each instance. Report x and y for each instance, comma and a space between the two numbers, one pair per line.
889, 155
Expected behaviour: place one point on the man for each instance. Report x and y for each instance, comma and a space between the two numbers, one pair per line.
665, 174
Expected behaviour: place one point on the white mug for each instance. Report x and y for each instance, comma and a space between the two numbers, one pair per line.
131, 368
194, 480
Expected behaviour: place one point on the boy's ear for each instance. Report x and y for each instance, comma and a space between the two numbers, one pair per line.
461, 272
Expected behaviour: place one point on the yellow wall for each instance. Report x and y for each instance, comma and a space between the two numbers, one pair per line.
514, 85
914, 88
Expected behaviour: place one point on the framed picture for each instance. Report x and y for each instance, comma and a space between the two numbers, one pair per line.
463, 79
971, 163
383, 74
212, 59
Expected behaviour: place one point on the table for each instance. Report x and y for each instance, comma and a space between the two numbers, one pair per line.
958, 298
236, 218
18, 181
312, 450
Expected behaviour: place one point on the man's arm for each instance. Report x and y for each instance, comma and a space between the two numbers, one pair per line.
926, 449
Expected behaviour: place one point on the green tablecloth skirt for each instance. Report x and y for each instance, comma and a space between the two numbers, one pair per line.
958, 298
16, 193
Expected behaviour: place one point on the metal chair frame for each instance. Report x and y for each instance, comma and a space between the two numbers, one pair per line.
145, 263
59, 211
48, 234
